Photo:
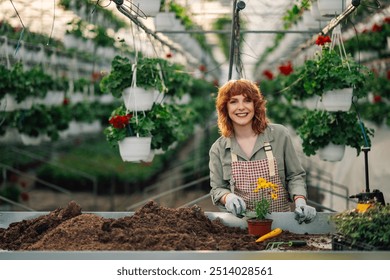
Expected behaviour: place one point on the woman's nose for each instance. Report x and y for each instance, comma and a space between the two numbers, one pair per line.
241, 105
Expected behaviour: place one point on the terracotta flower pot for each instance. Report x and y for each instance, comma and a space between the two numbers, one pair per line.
259, 227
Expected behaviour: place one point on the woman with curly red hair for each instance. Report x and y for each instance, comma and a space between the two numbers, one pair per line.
251, 149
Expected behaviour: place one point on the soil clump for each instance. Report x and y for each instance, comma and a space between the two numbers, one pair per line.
152, 228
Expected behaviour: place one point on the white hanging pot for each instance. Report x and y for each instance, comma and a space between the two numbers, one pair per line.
138, 99
135, 149
30, 140
330, 8
149, 8
165, 21
315, 12
337, 99
332, 152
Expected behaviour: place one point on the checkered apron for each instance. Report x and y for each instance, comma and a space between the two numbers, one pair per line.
245, 175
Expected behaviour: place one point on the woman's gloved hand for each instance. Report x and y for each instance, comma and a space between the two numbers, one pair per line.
235, 204
303, 212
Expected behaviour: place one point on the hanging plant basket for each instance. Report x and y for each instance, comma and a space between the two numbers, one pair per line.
135, 149
332, 152
139, 99
337, 99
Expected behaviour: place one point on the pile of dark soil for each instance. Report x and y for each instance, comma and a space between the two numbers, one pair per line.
152, 228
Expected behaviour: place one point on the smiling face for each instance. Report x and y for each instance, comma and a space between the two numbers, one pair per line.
240, 102
241, 110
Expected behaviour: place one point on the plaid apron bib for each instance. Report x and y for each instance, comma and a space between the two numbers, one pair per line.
246, 174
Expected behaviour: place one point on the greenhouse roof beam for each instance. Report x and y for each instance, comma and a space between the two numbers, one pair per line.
134, 19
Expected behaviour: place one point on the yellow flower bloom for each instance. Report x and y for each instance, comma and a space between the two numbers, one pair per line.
274, 196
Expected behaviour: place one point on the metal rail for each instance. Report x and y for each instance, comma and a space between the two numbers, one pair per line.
81, 173
50, 185
182, 187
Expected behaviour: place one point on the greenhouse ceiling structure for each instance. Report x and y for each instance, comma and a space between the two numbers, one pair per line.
270, 33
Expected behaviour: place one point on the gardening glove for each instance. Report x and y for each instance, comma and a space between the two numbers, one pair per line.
235, 204
303, 212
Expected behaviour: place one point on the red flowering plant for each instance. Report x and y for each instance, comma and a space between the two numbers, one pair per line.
122, 124
327, 71
268, 74
286, 69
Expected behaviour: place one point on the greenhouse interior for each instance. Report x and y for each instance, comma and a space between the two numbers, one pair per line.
73, 107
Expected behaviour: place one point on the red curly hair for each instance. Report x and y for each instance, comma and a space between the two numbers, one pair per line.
248, 89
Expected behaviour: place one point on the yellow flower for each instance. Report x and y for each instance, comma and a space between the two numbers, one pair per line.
274, 195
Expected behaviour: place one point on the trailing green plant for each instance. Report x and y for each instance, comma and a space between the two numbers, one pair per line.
374, 39
36, 121
280, 111
376, 112
101, 38
327, 71
61, 116
168, 127
110, 19
148, 75
176, 79
371, 227
23, 84
82, 112
4, 80
320, 128
122, 124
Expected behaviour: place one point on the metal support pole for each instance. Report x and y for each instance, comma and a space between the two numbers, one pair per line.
237, 7
366, 150
231, 54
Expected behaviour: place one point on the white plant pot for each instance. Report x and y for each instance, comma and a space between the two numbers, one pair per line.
332, 152
164, 21
135, 149
52, 98
138, 99
29, 140
337, 100
331, 8
149, 8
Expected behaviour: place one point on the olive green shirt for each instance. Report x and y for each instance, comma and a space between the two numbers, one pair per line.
290, 169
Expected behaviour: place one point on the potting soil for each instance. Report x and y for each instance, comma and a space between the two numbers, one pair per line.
152, 228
